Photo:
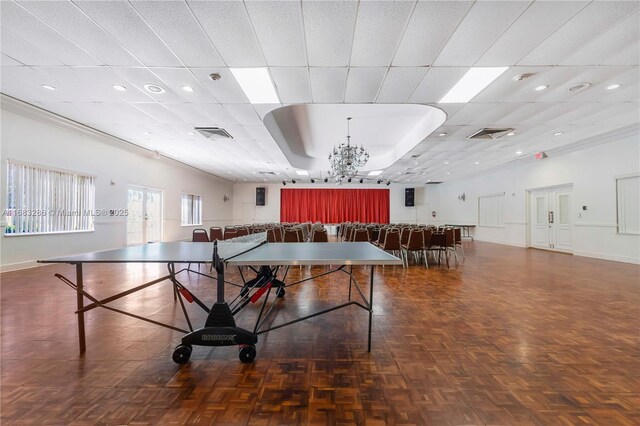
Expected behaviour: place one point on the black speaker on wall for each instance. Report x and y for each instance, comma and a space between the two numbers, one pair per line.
409, 197
261, 196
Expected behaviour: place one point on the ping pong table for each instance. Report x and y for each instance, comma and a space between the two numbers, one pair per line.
269, 261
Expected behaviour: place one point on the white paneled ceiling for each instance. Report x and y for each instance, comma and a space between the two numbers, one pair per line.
326, 52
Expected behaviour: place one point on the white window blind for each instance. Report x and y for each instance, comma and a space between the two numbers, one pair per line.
490, 210
42, 200
628, 199
191, 209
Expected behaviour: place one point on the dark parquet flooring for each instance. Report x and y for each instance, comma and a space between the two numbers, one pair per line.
509, 336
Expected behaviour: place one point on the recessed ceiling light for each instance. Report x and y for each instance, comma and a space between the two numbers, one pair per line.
446, 162
428, 180
146, 133
518, 152
539, 88
613, 86
557, 133
448, 173
375, 172
46, 86
511, 133
119, 88
187, 89
256, 84
302, 173
579, 86
472, 83
442, 134
416, 163
154, 88
423, 173
477, 162
191, 133
264, 180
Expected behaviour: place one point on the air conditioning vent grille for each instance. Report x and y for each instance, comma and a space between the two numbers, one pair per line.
490, 133
433, 183
213, 132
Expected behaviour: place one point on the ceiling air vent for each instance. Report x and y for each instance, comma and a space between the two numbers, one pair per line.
213, 132
267, 173
433, 183
488, 133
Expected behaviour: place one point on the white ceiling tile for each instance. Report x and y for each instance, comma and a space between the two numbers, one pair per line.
175, 24
264, 109
26, 84
627, 56
429, 28
190, 114
176, 78
329, 27
75, 25
244, 114
124, 24
7, 61
436, 83
23, 51
609, 44
328, 84
285, 46
468, 114
226, 89
159, 112
379, 26
505, 86
32, 30
292, 84
138, 77
539, 21
363, 84
589, 23
231, 32
214, 114
400, 83
479, 29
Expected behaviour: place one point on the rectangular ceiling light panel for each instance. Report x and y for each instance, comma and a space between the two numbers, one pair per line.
375, 172
472, 83
256, 84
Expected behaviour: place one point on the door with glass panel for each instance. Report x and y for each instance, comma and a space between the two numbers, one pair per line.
144, 222
551, 219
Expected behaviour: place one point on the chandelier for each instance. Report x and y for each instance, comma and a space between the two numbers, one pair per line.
346, 158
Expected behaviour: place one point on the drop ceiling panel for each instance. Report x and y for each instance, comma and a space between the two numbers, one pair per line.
626, 56
32, 30
538, 22
159, 112
215, 115
292, 84
25, 83
177, 27
264, 109
556, 78
8, 61
469, 114
593, 75
363, 84
400, 83
429, 28
231, 32
436, 83
284, 47
138, 77
177, 78
328, 84
124, 24
244, 114
329, 27
379, 27
589, 23
225, 90
68, 20
479, 29
24, 52
504, 87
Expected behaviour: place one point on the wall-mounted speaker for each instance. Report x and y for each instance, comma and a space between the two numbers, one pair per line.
261, 196
409, 197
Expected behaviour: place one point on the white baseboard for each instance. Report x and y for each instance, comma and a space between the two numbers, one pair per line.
501, 242
20, 265
605, 256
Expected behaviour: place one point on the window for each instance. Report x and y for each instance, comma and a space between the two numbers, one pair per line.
628, 199
42, 200
191, 209
490, 210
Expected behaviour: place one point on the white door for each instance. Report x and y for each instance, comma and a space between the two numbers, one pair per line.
144, 223
551, 219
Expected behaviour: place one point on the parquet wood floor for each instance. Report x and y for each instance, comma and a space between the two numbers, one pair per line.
509, 336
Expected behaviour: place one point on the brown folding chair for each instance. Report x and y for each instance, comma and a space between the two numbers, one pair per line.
215, 233
360, 234
415, 244
392, 242
230, 232
291, 235
199, 236
319, 235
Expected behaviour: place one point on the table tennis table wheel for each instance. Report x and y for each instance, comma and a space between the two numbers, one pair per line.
280, 292
182, 353
247, 353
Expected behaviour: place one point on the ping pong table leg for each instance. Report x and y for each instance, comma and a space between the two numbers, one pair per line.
80, 302
370, 306
350, 280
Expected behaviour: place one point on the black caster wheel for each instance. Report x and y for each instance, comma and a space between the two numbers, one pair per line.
244, 291
181, 354
247, 353
280, 292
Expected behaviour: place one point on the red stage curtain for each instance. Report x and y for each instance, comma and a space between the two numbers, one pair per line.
334, 205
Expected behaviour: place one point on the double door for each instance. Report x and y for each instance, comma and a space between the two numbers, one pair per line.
551, 219
144, 222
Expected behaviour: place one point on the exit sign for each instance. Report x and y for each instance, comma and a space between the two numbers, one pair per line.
540, 155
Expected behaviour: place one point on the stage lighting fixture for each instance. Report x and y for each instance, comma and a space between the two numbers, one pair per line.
293, 181
284, 183
361, 180
326, 180
379, 181
313, 181
349, 180
388, 183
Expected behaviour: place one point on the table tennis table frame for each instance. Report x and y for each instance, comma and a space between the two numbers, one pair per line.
177, 287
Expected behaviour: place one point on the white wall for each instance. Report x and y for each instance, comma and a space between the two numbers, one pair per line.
32, 135
246, 211
592, 173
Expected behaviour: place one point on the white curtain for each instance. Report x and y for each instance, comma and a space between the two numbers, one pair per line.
628, 195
